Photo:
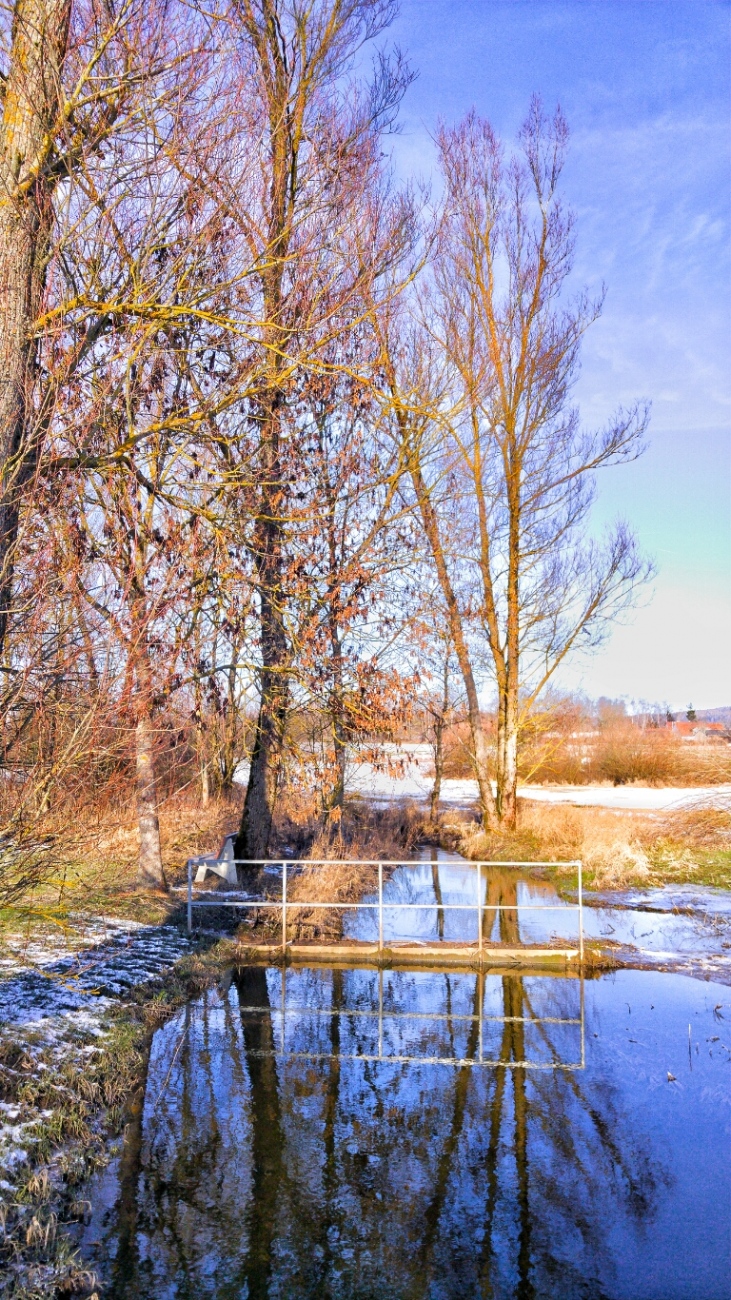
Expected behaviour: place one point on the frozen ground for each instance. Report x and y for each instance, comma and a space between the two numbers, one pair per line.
55, 992
105, 961
678, 928
415, 782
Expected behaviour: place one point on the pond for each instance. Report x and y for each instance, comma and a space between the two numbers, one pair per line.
396, 1134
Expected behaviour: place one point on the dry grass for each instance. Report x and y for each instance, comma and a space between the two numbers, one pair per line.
619, 849
95, 851
340, 872
619, 755
95, 869
186, 829
99, 873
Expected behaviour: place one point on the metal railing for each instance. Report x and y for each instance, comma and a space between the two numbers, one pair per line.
382, 905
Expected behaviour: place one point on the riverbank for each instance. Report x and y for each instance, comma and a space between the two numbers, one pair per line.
81, 993
77, 1014
629, 835
89, 968
85, 1024
619, 849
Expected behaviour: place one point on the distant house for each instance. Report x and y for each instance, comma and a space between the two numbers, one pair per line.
699, 730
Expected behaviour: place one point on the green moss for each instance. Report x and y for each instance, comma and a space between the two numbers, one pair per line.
676, 863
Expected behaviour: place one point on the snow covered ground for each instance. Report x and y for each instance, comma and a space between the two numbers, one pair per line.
55, 993
416, 783
104, 961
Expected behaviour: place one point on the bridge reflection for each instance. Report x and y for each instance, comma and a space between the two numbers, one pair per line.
390, 1029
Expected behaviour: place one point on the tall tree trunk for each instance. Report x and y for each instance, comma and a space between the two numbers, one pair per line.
337, 711
509, 703
440, 723
228, 751
480, 750
266, 756
30, 111
150, 870
507, 785
268, 45
438, 768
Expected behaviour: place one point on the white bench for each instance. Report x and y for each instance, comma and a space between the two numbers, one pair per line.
222, 865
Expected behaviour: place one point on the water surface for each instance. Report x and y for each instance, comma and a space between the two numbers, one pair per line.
274, 1156
433, 1134
436, 898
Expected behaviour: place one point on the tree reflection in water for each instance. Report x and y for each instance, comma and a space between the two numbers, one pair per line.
250, 1175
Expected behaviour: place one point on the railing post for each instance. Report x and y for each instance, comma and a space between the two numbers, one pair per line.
479, 908
380, 1013
380, 907
284, 1006
190, 898
284, 908
581, 915
581, 986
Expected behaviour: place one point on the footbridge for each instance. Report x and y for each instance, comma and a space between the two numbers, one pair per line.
391, 916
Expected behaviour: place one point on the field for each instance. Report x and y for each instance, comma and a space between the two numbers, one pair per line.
578, 753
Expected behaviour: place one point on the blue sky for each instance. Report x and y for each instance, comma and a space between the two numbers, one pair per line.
646, 88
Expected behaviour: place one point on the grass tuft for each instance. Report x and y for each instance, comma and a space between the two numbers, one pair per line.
619, 849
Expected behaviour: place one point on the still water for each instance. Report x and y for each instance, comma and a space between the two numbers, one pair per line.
406, 1134
436, 898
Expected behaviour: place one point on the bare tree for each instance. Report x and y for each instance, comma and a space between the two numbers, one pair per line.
320, 163
501, 469
76, 76
439, 695
31, 104
353, 543
128, 302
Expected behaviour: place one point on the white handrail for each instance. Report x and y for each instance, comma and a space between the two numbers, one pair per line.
383, 905
380, 906
406, 862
